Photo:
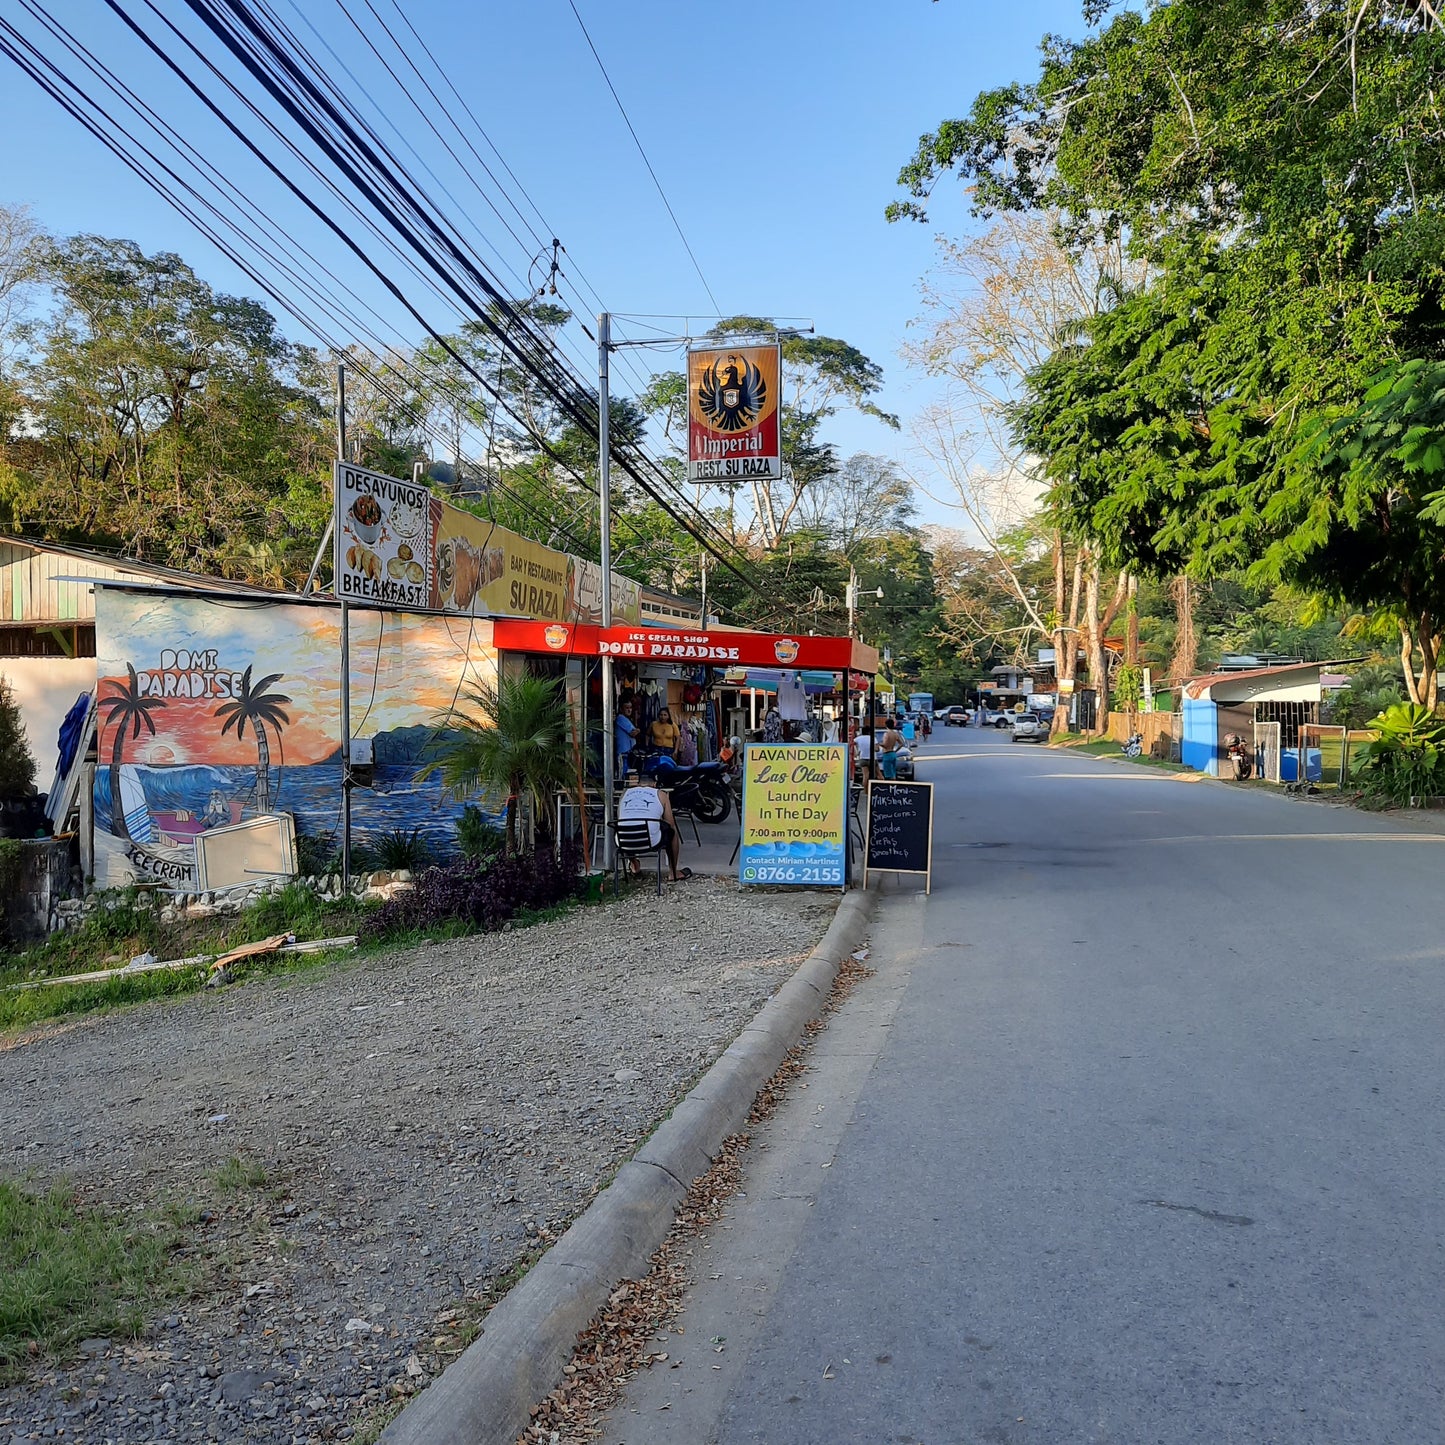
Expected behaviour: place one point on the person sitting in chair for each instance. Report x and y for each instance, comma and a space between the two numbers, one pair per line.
645, 801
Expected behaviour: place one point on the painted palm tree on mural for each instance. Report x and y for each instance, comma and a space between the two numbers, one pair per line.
262, 710
125, 708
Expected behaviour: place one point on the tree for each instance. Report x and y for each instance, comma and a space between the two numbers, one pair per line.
1277, 165
165, 418
263, 710
126, 707
17, 763
866, 498
516, 742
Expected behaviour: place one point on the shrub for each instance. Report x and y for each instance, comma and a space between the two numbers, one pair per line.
1407, 760
399, 849
17, 766
317, 855
483, 898
477, 840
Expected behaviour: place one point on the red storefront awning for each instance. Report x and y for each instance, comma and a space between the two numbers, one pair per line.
667, 645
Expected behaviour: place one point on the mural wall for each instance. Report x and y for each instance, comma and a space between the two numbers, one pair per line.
211, 712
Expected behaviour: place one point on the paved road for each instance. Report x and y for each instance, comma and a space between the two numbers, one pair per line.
1137, 1135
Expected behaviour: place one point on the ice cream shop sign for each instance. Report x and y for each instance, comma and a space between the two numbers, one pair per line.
669, 647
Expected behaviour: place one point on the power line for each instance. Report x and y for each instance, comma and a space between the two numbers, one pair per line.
640, 151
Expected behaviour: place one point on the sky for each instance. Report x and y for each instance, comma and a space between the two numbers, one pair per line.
776, 132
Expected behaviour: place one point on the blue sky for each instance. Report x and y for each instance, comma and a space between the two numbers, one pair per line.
777, 147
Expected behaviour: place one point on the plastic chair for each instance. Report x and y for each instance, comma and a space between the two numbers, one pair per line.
633, 838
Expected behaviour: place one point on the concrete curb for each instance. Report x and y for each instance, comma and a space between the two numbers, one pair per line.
486, 1396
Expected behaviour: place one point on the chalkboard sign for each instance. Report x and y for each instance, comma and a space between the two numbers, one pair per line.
900, 829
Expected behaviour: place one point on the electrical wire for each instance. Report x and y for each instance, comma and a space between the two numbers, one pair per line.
631, 130
389, 182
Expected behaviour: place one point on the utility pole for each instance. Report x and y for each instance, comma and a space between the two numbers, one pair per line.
604, 495
852, 598
345, 650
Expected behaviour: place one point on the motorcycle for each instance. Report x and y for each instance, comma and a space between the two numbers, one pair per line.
1241, 757
701, 790
1133, 745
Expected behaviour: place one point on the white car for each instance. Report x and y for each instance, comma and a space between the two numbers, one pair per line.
1028, 725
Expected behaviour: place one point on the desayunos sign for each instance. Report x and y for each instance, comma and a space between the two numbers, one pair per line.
384, 539
733, 394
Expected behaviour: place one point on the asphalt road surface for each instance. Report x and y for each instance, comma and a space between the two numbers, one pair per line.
1136, 1135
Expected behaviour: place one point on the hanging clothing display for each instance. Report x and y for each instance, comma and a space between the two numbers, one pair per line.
792, 697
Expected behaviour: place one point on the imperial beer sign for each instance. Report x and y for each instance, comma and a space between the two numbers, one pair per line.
733, 394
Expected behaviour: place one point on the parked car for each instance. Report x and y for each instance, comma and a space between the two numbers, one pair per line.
993, 718
1028, 726
955, 716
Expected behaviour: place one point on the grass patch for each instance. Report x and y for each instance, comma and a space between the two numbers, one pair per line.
113, 935
237, 1173
69, 1274
1108, 748
370, 1423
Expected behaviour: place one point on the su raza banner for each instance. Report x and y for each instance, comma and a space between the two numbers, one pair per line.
733, 395
795, 814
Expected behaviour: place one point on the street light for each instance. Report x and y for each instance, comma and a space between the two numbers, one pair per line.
853, 597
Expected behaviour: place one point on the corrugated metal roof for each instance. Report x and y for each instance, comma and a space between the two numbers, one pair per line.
45, 583
1197, 687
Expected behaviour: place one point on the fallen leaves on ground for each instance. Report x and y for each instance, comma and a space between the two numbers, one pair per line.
624, 1336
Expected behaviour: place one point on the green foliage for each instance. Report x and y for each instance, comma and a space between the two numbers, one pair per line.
399, 848
477, 840
68, 1273
514, 742
17, 765
1128, 686
1406, 761
1275, 164
171, 419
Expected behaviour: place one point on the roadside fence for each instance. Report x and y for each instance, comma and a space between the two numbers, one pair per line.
1162, 732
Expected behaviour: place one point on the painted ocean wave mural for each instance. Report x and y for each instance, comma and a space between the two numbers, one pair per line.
237, 714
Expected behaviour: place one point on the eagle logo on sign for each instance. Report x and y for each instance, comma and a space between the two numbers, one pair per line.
732, 401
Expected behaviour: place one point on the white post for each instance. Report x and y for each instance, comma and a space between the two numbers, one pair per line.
604, 495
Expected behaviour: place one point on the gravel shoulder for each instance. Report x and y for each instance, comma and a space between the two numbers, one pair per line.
426, 1120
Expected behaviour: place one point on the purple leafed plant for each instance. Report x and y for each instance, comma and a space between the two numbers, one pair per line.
484, 897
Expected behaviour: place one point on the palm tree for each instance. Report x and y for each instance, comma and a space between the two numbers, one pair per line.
261, 709
515, 741
126, 707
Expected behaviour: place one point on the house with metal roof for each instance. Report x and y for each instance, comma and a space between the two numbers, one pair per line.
1228, 702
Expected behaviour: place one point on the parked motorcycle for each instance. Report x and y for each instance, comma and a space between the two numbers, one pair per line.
1133, 745
701, 790
1240, 756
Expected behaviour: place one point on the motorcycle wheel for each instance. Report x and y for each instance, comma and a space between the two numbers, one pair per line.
712, 805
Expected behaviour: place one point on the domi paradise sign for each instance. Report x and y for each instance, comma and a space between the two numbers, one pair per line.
733, 396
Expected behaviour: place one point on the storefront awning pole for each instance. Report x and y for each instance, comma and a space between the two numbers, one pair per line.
604, 497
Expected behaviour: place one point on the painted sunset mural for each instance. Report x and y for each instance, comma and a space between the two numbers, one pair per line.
211, 712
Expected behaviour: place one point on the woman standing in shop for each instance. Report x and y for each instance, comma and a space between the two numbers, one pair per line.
664, 733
